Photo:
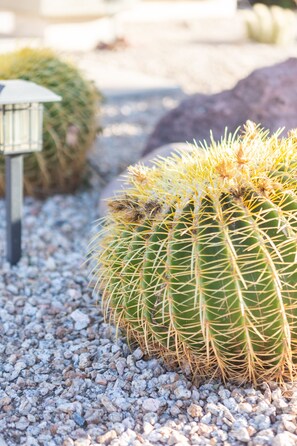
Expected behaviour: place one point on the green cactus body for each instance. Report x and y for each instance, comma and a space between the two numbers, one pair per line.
69, 127
198, 259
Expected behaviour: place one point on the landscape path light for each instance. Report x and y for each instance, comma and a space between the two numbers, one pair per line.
21, 122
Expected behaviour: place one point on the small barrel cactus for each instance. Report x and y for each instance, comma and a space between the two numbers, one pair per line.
271, 24
290, 4
198, 259
69, 127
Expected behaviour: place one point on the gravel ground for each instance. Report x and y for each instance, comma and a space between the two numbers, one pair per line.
65, 378
126, 125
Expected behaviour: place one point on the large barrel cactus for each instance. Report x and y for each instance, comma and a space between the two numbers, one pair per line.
198, 259
69, 127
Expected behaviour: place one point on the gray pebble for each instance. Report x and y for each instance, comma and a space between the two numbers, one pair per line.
81, 320
262, 421
206, 419
79, 420
121, 364
151, 405
22, 424
84, 361
107, 403
182, 393
241, 434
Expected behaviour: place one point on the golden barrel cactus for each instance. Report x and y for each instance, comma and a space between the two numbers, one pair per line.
198, 259
69, 126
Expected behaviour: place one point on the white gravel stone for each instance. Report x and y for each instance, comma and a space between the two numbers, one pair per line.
84, 361
100, 379
151, 405
262, 421
290, 426
137, 354
50, 264
70, 407
31, 441
176, 438
195, 411
182, 393
245, 408
68, 442
121, 365
264, 437
12, 289
107, 403
285, 439
107, 437
81, 319
82, 442
147, 428
241, 434
206, 419
22, 424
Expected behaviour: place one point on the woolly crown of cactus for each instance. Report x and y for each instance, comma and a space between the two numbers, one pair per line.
198, 259
69, 126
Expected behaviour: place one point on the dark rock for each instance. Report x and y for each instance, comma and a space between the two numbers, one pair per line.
268, 96
118, 184
79, 420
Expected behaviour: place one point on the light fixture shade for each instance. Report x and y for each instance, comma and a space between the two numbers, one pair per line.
21, 116
21, 128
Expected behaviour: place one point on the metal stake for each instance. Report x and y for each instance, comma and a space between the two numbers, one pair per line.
14, 201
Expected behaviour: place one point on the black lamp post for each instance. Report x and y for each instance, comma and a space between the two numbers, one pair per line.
21, 117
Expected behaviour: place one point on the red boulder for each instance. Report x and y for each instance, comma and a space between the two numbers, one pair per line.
268, 96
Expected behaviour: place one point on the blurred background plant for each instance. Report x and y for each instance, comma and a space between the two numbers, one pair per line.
291, 4
271, 24
69, 127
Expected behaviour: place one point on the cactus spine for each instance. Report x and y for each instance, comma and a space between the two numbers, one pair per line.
197, 261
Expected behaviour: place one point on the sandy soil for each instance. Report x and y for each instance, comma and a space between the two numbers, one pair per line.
202, 56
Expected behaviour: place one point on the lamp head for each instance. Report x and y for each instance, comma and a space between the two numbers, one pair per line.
21, 116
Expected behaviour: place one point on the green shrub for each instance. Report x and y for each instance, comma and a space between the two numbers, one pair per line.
197, 260
69, 127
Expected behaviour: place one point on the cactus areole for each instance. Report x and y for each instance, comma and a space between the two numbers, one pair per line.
198, 259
